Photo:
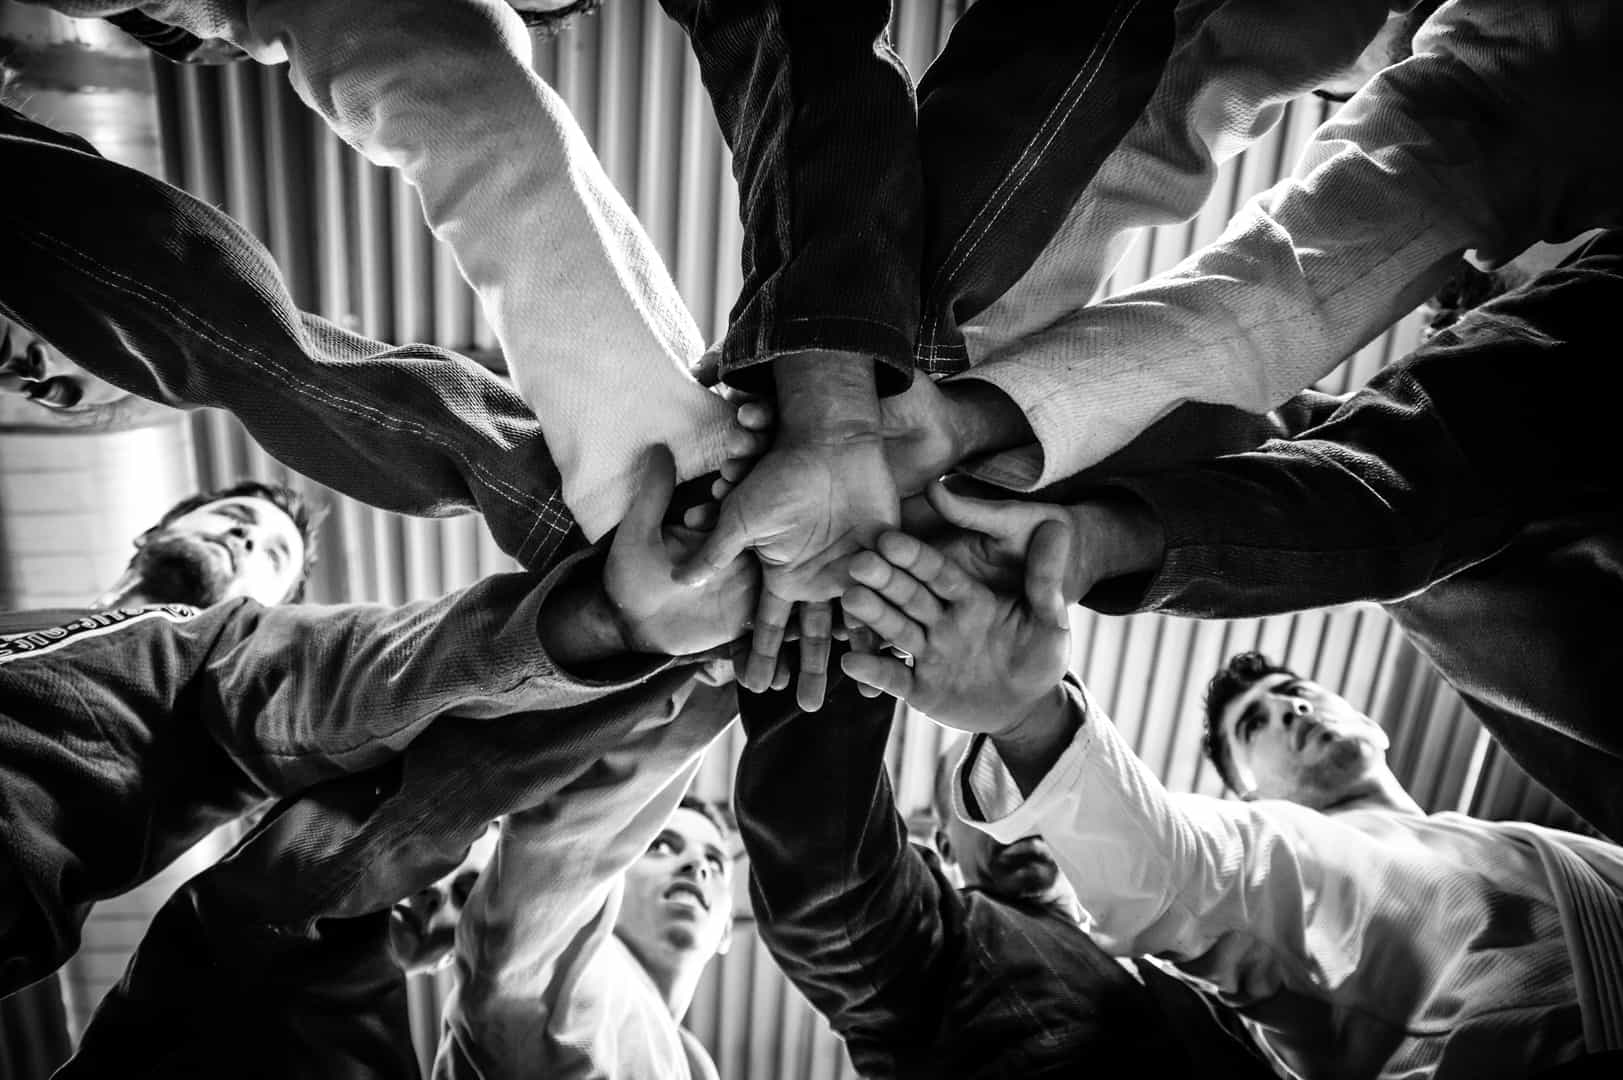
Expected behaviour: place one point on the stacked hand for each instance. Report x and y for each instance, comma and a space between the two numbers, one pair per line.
980, 660
805, 508
653, 611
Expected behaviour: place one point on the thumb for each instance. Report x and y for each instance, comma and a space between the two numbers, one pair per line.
1046, 563
976, 515
646, 514
720, 548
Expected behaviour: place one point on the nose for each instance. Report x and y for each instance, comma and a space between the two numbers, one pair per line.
27, 364
695, 868
1299, 710
243, 535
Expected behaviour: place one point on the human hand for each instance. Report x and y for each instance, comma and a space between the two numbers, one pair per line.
981, 660
921, 442
652, 610
1113, 534
805, 508
755, 419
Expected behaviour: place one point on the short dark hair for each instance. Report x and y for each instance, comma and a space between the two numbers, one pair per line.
285, 499
1241, 673
545, 24
718, 814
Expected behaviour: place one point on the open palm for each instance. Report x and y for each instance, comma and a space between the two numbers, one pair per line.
980, 659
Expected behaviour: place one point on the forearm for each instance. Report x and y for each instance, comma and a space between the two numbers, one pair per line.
819, 115
1157, 871
594, 331
848, 908
542, 909
983, 419
323, 691
1031, 746
1231, 72
165, 296
826, 396
1385, 197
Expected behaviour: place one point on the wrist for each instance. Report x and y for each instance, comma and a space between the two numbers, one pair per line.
826, 396
578, 625
1118, 535
982, 419
1034, 741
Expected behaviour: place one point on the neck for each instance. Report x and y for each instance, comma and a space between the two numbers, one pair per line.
676, 982
127, 591
1379, 791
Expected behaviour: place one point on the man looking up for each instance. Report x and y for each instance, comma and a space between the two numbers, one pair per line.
1356, 934
251, 539
600, 987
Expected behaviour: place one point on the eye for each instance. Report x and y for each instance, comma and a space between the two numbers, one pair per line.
55, 393
662, 845
717, 863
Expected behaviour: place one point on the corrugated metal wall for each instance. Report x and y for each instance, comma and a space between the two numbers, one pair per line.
351, 240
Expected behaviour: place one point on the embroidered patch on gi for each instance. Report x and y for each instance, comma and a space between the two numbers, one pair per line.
93, 624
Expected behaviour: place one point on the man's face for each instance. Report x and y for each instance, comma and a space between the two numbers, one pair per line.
679, 894
422, 927
1290, 738
229, 548
33, 371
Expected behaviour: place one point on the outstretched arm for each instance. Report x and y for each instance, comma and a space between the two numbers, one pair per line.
1465, 145
594, 331
527, 997
1157, 872
860, 920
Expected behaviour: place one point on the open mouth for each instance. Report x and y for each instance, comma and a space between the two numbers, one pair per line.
684, 888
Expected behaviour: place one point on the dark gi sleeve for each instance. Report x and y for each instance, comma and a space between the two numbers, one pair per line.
919, 979
168, 298
127, 736
1428, 470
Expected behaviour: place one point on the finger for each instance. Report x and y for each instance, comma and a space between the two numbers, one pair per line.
816, 625
939, 574
879, 674
978, 515
744, 443
1046, 564
771, 617
896, 586
702, 517
756, 415
865, 642
720, 548
707, 369
781, 677
885, 620
735, 469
